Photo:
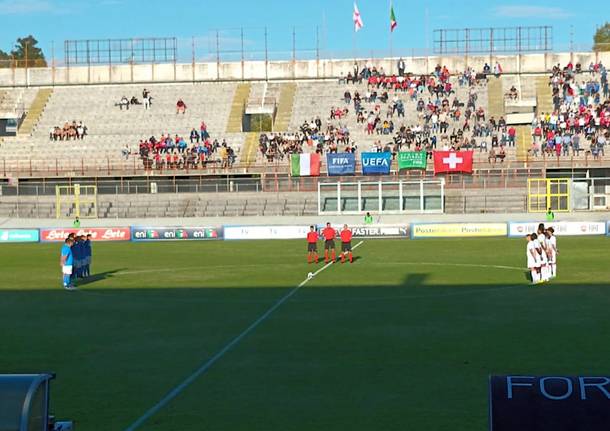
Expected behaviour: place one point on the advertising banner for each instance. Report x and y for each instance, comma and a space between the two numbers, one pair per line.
97, 234
265, 232
412, 160
549, 403
372, 231
19, 235
562, 228
341, 163
156, 233
457, 230
608, 229
376, 163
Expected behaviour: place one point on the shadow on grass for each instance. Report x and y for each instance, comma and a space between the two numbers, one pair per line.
94, 278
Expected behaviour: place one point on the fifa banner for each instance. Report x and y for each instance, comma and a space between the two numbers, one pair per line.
549, 403
265, 232
457, 230
562, 228
341, 163
156, 233
305, 165
376, 163
19, 235
372, 231
97, 234
412, 160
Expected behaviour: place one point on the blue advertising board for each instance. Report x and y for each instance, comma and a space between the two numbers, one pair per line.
19, 235
549, 403
341, 163
608, 228
376, 163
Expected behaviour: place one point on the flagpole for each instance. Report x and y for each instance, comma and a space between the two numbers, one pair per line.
391, 61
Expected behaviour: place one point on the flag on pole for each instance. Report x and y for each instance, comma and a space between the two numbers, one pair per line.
358, 24
305, 165
393, 22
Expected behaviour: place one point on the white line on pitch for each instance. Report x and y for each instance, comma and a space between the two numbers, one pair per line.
208, 364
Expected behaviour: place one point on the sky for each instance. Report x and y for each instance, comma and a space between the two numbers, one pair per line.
196, 22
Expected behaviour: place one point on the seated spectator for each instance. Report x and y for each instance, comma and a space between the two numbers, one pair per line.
180, 107
123, 103
134, 101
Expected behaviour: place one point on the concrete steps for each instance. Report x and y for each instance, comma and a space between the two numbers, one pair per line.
544, 95
283, 115
35, 111
234, 123
495, 95
523, 142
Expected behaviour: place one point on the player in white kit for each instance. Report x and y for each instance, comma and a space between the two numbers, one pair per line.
532, 258
545, 269
551, 241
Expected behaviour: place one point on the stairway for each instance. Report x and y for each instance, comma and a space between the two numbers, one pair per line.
523, 142
248, 155
544, 95
234, 123
284, 107
495, 95
35, 111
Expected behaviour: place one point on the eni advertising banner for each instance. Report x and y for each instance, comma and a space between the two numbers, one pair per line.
19, 235
97, 234
562, 228
156, 233
457, 230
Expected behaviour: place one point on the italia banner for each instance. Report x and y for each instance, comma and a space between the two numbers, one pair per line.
412, 160
305, 165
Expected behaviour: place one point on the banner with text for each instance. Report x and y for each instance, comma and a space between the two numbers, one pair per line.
412, 160
19, 235
549, 403
562, 228
265, 232
376, 163
155, 233
341, 163
97, 233
372, 231
457, 230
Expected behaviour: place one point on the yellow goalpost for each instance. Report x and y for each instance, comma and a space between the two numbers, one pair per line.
83, 199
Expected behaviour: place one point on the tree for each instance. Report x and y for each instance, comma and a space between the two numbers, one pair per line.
26, 51
601, 38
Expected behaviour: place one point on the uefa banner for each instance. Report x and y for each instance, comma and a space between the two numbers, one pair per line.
165, 233
376, 163
97, 233
412, 160
371, 230
341, 163
457, 230
19, 235
562, 228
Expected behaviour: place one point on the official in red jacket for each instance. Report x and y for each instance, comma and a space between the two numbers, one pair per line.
312, 245
329, 235
346, 244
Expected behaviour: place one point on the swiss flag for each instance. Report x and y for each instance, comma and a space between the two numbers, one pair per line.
452, 161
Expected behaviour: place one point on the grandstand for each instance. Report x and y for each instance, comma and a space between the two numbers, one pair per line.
111, 154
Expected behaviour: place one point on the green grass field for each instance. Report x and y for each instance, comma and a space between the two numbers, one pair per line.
404, 338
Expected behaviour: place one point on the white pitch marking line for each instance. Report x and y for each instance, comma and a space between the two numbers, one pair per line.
208, 364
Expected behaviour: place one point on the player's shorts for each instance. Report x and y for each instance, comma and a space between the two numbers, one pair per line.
66, 269
329, 244
88, 260
346, 246
532, 263
312, 247
553, 259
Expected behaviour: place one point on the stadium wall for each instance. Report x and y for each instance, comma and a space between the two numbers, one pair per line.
277, 70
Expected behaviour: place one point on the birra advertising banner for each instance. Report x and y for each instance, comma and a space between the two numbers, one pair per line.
97, 233
155, 233
341, 163
549, 403
562, 228
376, 163
412, 160
19, 235
457, 230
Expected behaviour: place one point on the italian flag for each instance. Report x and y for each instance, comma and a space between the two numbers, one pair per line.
304, 165
393, 22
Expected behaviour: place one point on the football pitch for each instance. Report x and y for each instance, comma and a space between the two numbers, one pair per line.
225, 335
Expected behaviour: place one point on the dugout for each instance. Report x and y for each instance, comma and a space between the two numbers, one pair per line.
24, 403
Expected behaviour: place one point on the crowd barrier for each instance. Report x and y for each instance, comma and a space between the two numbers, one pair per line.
262, 232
